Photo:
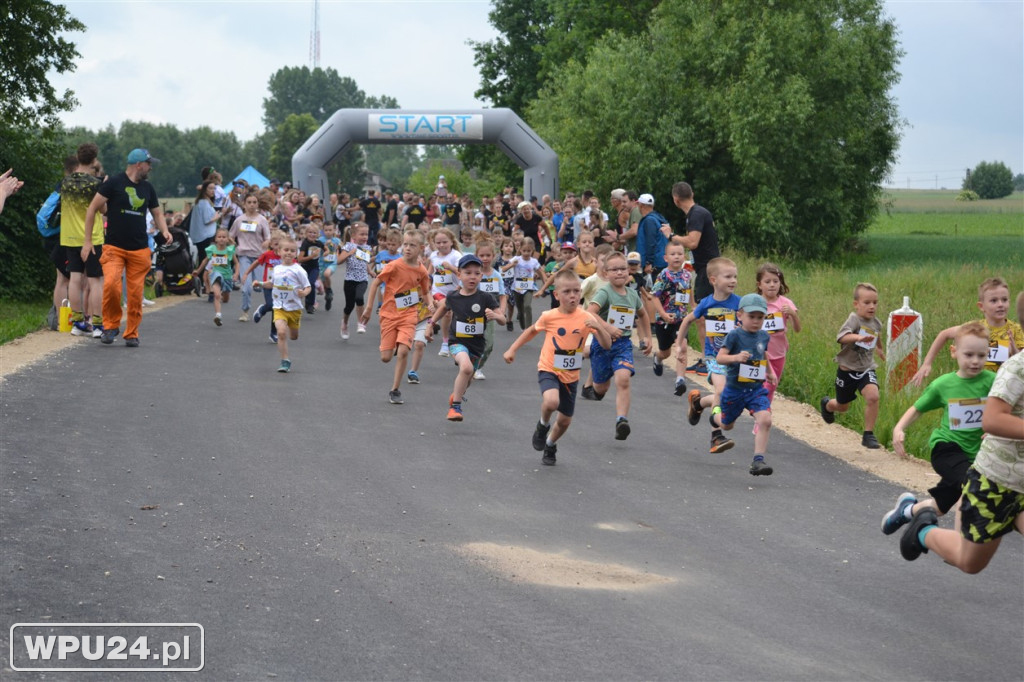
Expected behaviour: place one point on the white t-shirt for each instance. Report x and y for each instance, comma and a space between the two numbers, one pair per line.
444, 272
287, 279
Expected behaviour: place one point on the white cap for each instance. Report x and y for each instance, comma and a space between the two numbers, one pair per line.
646, 200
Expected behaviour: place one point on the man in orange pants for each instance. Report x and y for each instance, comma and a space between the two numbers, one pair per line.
125, 198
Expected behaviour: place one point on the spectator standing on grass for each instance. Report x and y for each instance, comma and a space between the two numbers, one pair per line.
125, 198
701, 239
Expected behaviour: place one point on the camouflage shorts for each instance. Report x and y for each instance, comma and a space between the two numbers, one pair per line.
987, 509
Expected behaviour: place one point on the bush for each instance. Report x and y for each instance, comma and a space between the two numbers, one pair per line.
967, 195
990, 180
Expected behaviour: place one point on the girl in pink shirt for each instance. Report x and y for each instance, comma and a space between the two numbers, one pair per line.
782, 316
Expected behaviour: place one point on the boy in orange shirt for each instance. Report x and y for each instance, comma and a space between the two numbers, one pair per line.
406, 284
558, 369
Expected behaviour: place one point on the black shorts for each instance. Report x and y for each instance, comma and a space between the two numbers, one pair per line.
701, 284
566, 392
58, 254
849, 383
988, 510
666, 334
91, 267
951, 463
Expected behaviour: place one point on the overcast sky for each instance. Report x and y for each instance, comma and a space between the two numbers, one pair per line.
193, 63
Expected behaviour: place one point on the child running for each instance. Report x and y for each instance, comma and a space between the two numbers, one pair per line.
329, 262
782, 314
1005, 337
961, 396
291, 285
444, 262
618, 307
405, 283
526, 272
743, 352
468, 308
992, 503
356, 255
719, 313
671, 299
558, 369
490, 283
508, 252
859, 341
269, 259
309, 260
223, 266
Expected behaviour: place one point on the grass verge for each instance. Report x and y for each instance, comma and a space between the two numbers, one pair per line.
18, 318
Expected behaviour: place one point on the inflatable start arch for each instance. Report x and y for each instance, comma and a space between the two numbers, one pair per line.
501, 127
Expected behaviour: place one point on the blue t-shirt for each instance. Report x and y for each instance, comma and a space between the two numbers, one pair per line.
753, 372
384, 257
719, 320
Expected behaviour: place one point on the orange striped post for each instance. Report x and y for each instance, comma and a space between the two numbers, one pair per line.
903, 350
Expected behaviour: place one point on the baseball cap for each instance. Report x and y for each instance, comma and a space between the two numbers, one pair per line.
618, 193
754, 303
633, 257
568, 245
469, 259
141, 155
646, 200
440, 177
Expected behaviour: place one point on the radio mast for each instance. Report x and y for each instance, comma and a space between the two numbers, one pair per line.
314, 37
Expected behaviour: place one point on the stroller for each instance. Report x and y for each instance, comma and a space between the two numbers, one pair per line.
175, 261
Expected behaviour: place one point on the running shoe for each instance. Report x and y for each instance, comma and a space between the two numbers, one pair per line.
444, 351
109, 335
910, 545
244, 317
328, 299
217, 321
97, 331
82, 328
361, 328
540, 435
698, 367
132, 342
869, 441
286, 366
395, 397
412, 377
659, 367
696, 409
272, 338
478, 375
260, 312
147, 302
759, 467
455, 412
344, 332
622, 429
588, 393
680, 386
549, 455
897, 516
829, 417
720, 443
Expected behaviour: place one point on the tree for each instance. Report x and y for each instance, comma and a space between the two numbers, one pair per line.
289, 136
778, 114
317, 92
990, 180
1018, 182
31, 49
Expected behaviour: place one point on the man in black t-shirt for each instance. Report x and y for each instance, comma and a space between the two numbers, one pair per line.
529, 223
125, 198
701, 239
371, 214
415, 213
391, 208
453, 213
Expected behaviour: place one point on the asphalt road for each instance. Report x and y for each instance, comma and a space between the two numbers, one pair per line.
317, 532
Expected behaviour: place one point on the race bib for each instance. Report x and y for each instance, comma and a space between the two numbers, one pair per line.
621, 317
566, 361
998, 353
330, 258
444, 279
756, 371
521, 285
719, 327
407, 299
966, 413
870, 343
469, 328
681, 298
218, 260
248, 227
362, 255
490, 286
774, 323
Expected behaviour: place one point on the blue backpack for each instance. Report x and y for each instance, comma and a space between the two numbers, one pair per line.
48, 217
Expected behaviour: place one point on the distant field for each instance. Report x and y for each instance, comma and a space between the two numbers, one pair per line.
944, 201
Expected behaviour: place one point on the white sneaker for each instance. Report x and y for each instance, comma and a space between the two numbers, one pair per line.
444, 351
361, 329
344, 333
244, 317
146, 302
478, 375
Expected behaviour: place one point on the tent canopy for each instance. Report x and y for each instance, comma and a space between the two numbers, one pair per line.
252, 177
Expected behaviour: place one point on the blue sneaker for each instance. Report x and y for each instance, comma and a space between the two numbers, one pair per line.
699, 368
109, 335
81, 328
272, 338
412, 377
659, 367
286, 366
896, 517
258, 315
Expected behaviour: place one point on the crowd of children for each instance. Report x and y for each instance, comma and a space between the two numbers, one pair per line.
603, 306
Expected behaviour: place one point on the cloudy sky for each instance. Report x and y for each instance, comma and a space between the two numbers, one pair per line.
207, 62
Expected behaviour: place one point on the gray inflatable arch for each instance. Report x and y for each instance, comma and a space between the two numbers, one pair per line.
501, 127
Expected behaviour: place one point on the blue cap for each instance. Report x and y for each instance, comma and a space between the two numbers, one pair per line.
140, 155
469, 259
754, 303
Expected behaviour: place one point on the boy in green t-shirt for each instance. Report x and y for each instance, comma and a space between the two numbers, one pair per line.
956, 441
223, 265
618, 307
